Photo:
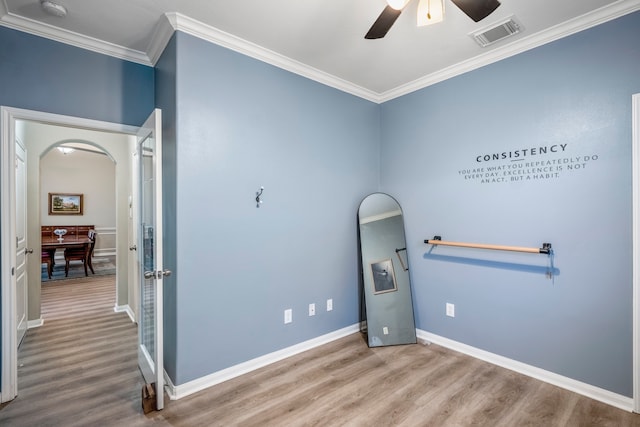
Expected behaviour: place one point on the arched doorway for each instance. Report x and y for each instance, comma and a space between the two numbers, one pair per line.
87, 172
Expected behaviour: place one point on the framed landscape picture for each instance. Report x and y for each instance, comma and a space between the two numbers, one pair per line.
65, 204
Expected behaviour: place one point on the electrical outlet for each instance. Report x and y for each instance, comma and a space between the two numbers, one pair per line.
312, 309
288, 316
329, 304
451, 310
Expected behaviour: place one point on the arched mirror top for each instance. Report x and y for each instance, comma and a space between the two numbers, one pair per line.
378, 206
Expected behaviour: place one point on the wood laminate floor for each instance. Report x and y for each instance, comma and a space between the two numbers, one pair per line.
80, 369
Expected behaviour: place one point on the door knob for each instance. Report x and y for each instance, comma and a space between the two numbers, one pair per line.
166, 273
28, 251
149, 274
133, 248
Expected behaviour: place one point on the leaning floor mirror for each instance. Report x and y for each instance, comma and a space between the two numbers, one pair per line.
387, 312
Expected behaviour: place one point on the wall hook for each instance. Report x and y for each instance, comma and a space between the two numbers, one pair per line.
258, 195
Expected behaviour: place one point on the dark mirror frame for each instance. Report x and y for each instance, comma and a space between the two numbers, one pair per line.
386, 312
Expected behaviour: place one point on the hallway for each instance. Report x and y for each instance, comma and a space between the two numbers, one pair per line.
80, 367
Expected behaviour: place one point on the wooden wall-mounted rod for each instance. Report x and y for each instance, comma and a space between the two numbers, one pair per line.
437, 240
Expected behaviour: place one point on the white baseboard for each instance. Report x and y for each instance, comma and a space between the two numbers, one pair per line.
179, 391
35, 323
126, 309
169, 387
596, 393
97, 253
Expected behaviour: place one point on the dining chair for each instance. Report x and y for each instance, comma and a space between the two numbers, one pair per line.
76, 253
92, 237
47, 258
82, 253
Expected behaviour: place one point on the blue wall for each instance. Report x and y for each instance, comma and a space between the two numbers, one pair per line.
166, 101
233, 124
43, 75
243, 124
575, 91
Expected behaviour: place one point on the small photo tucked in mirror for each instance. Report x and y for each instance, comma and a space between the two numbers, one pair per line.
384, 279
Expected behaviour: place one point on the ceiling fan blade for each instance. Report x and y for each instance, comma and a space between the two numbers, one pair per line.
384, 22
477, 9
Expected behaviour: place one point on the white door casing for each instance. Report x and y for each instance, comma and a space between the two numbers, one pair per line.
635, 157
8, 118
9, 371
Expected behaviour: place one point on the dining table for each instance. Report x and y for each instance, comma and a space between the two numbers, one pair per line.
55, 243
51, 243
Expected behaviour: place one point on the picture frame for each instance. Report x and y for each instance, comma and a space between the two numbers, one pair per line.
384, 278
66, 203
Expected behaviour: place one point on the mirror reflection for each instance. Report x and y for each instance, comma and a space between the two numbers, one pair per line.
386, 287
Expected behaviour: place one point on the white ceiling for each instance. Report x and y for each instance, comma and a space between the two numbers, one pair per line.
320, 39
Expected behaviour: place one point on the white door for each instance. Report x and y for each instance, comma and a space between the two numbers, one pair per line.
152, 272
21, 241
133, 274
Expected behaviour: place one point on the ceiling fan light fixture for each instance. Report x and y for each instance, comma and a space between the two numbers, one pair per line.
65, 150
430, 12
53, 8
397, 4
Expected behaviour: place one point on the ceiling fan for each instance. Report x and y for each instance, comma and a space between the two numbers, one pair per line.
429, 11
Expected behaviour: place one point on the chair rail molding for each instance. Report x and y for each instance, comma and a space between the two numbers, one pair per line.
105, 246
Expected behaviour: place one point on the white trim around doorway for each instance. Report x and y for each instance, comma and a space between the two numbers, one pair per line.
635, 158
8, 117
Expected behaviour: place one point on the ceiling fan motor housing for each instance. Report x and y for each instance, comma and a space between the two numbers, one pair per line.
475, 9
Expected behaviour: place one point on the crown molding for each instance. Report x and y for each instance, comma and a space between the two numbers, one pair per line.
162, 33
586, 21
195, 28
379, 217
177, 22
47, 31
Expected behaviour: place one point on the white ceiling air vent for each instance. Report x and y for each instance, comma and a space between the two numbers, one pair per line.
496, 32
